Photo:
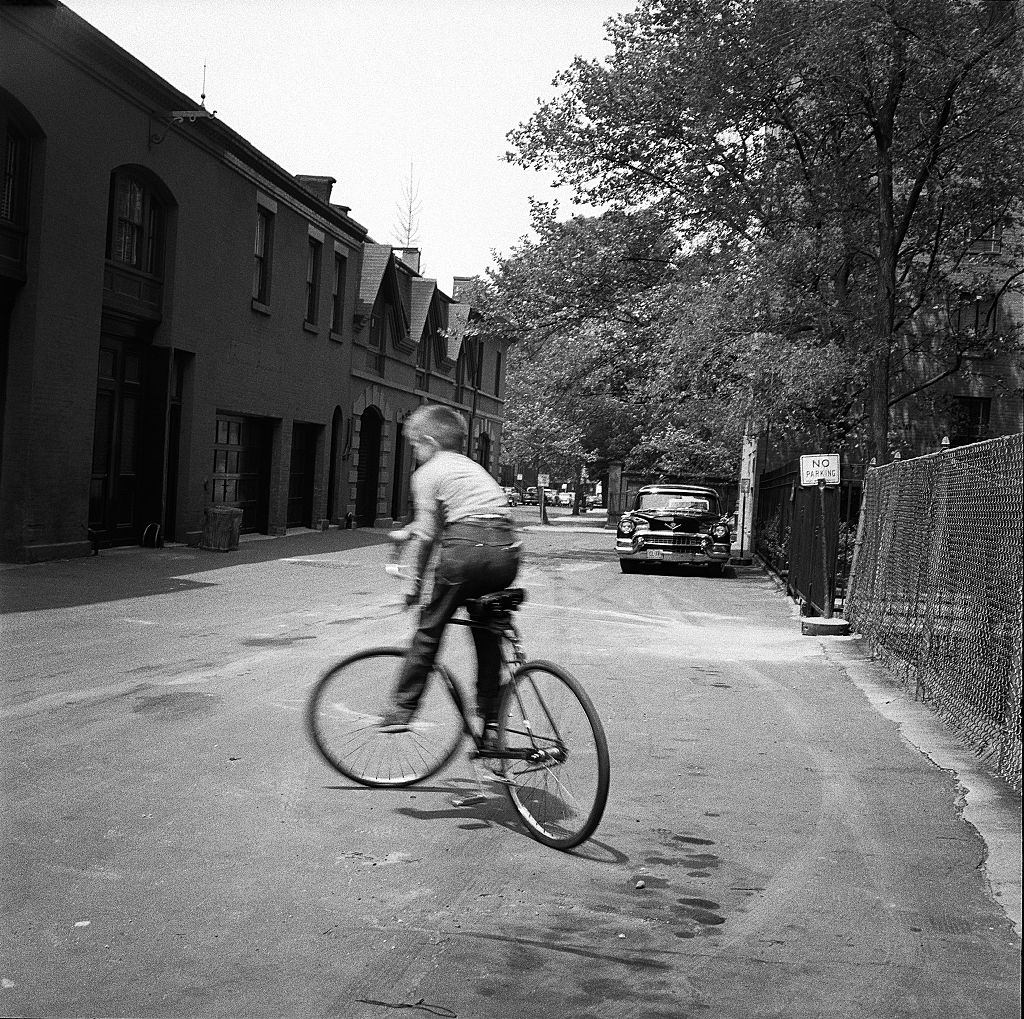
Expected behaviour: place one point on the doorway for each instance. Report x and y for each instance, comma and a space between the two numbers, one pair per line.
398, 477
117, 440
333, 470
302, 475
368, 469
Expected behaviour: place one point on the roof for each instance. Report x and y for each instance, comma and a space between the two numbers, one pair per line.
683, 489
458, 319
422, 294
375, 261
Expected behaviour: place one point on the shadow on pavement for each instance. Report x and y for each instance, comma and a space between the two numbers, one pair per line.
131, 572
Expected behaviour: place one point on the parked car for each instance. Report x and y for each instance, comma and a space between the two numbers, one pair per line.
674, 524
530, 498
593, 501
514, 496
565, 498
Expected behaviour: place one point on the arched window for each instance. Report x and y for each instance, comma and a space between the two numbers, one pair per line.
14, 180
135, 227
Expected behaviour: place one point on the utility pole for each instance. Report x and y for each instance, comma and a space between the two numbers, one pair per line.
750, 469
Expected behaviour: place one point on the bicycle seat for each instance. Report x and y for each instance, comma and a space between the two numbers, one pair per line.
501, 601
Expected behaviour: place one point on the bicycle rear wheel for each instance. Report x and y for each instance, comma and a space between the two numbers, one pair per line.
558, 768
344, 711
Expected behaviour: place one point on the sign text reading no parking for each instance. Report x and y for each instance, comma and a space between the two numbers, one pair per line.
819, 468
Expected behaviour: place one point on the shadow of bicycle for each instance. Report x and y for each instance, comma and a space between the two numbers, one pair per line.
496, 811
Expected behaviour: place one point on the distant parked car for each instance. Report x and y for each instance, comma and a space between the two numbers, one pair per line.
530, 498
514, 496
674, 524
593, 501
565, 498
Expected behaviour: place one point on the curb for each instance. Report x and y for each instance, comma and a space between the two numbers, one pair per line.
816, 627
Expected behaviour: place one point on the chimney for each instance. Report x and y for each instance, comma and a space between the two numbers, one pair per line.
319, 186
411, 257
459, 284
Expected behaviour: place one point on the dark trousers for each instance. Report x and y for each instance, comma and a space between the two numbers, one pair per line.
472, 561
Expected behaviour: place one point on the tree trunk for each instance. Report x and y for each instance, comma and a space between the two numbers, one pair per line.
885, 311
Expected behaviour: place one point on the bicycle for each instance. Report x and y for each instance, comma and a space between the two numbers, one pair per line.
551, 755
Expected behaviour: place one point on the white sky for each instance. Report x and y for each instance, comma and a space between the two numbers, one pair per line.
359, 89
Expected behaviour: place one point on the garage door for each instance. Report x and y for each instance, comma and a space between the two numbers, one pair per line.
241, 468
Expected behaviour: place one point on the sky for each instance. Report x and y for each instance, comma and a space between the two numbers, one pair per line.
378, 93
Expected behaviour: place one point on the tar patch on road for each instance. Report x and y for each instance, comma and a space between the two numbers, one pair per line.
172, 706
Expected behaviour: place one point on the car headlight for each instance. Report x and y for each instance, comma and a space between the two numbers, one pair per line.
627, 526
720, 532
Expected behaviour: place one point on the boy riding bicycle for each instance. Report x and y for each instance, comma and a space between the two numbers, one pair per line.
460, 510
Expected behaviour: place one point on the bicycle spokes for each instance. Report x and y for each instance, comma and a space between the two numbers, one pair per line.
557, 755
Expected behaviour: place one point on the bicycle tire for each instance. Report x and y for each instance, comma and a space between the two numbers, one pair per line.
561, 794
343, 715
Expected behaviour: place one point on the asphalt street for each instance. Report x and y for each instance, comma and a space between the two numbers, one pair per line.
773, 845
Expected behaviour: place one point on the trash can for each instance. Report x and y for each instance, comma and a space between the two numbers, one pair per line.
221, 527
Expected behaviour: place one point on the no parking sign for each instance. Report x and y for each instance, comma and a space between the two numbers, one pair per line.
819, 467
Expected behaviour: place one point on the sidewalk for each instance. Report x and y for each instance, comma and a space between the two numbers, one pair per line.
528, 519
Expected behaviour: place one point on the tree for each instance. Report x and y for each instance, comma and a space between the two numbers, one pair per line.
406, 228
642, 352
579, 308
840, 157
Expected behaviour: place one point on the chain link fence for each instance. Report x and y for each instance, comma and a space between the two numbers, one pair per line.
936, 587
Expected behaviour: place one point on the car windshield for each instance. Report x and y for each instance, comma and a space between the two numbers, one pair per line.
677, 502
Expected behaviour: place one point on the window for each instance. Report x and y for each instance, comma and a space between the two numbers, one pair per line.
497, 373
313, 280
135, 230
423, 361
382, 332
986, 237
478, 374
969, 419
977, 323
460, 372
261, 264
338, 294
12, 184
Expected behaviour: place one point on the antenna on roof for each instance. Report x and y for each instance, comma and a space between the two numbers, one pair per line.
180, 116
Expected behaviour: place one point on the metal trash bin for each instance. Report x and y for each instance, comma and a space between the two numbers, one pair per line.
221, 527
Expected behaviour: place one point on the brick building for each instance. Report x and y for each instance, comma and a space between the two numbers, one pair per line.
184, 323
411, 346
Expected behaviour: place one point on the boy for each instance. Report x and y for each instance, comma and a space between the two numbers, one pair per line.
460, 507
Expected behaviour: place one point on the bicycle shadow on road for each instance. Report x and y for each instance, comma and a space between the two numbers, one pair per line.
495, 810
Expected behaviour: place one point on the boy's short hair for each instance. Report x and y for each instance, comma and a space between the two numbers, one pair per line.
446, 426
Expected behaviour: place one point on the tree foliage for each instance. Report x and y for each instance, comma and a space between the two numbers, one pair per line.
806, 182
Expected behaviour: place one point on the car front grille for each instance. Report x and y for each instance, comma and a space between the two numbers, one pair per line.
673, 542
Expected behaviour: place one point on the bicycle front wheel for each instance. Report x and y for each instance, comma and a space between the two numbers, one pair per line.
344, 711
556, 767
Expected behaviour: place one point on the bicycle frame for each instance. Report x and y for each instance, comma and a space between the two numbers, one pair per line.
513, 656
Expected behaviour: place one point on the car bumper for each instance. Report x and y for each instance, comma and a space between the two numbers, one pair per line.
640, 549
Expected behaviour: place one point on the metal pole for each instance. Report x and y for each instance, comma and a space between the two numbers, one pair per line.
743, 518
826, 595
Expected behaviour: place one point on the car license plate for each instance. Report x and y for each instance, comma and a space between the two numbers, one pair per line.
655, 553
